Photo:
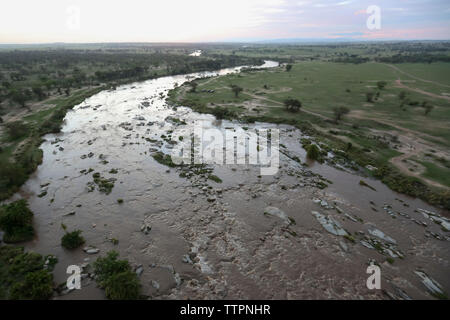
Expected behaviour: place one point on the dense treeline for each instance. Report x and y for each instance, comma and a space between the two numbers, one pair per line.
35, 74
352, 59
344, 52
414, 58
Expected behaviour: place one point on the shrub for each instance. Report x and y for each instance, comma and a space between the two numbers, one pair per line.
12, 176
164, 159
339, 112
381, 84
16, 129
292, 105
214, 178
105, 267
23, 276
313, 152
116, 277
36, 286
223, 113
72, 240
123, 286
16, 220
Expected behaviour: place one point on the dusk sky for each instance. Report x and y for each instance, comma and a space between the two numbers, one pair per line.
46, 21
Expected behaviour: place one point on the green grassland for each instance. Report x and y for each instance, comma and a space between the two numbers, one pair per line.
436, 172
321, 86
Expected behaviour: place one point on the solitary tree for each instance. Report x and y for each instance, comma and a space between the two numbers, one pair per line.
339, 112
369, 96
402, 95
236, 89
288, 67
194, 86
428, 107
292, 105
381, 84
313, 152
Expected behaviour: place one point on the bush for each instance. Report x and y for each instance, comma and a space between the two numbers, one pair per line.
313, 152
116, 277
123, 286
36, 286
16, 129
339, 112
23, 276
293, 105
164, 159
412, 186
72, 240
223, 113
381, 84
214, 178
16, 220
12, 176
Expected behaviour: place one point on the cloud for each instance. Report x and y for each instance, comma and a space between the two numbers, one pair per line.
213, 20
343, 3
348, 34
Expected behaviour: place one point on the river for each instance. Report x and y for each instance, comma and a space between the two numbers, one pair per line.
214, 240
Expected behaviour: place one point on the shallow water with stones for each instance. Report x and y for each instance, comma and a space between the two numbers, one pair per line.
222, 240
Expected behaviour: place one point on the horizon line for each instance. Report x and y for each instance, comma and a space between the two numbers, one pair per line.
262, 41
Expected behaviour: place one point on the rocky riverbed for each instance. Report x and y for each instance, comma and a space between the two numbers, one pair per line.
224, 231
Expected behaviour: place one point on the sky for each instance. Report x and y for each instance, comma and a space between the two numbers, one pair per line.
83, 21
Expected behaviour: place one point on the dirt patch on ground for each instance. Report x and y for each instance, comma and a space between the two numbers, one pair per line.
399, 84
415, 77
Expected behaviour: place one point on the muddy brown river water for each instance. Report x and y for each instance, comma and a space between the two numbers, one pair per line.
249, 237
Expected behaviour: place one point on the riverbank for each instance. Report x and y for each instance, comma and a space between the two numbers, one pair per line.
367, 146
25, 149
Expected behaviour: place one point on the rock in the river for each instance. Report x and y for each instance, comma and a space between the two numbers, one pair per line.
146, 228
91, 250
445, 225
380, 234
323, 203
273, 211
187, 259
343, 246
155, 284
432, 285
139, 270
329, 224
